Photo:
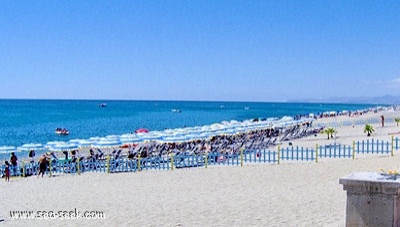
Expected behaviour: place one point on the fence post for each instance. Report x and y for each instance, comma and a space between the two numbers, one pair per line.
206, 159
392, 146
172, 161
23, 169
50, 161
316, 153
279, 154
241, 156
78, 167
138, 165
354, 148
108, 163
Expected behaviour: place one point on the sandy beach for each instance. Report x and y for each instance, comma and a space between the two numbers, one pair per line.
288, 194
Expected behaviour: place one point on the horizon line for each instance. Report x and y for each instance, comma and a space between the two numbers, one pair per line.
322, 101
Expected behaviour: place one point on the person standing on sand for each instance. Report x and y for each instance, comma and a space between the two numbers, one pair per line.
383, 120
14, 162
7, 171
42, 165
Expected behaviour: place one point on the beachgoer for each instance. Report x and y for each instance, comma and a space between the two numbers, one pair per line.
7, 171
66, 155
131, 155
14, 162
383, 120
32, 155
91, 152
42, 165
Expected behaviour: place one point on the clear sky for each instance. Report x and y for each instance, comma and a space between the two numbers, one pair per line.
198, 49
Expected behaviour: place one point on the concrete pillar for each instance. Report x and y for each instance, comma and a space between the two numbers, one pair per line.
372, 199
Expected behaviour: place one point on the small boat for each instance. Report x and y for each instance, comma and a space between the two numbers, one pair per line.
61, 131
103, 104
176, 110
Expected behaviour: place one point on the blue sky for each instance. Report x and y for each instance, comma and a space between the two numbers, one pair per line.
199, 50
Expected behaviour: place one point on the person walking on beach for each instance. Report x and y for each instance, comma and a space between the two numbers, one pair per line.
383, 120
42, 165
14, 162
7, 171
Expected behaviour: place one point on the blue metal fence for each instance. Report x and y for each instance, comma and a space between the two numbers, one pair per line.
187, 160
373, 146
297, 154
335, 151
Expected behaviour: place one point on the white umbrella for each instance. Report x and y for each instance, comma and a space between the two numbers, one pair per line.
175, 139
52, 143
85, 143
106, 143
64, 147
94, 139
6, 150
129, 139
150, 136
112, 137
74, 141
32, 146
81, 142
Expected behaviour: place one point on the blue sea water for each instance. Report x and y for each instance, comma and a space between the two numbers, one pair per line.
34, 121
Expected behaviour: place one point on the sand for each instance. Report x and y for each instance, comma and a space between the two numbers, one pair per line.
288, 194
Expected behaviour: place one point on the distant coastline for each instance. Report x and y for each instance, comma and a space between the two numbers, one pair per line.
380, 100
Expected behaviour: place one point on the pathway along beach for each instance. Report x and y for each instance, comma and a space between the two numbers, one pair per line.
286, 194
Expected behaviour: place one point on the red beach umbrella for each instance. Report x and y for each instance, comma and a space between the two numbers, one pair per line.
142, 130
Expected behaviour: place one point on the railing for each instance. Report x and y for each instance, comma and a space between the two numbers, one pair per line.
296, 154
187, 160
372, 146
335, 151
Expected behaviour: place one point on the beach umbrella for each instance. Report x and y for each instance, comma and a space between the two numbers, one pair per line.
84, 143
177, 139
64, 147
52, 143
81, 142
142, 130
150, 136
32, 146
106, 143
74, 141
94, 139
112, 137
130, 138
6, 150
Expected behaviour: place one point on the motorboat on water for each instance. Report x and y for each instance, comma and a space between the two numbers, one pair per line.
103, 104
176, 110
61, 131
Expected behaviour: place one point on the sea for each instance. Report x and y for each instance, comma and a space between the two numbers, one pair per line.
35, 121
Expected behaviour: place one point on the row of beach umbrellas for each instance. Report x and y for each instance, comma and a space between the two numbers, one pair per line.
168, 135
